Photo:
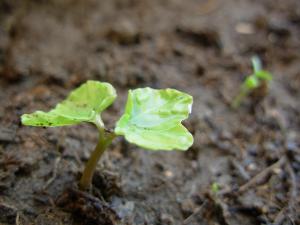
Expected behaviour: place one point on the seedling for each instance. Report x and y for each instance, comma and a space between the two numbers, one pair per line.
259, 78
152, 119
215, 188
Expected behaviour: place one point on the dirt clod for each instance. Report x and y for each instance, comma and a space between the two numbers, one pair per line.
8, 214
123, 32
87, 208
107, 183
205, 37
7, 134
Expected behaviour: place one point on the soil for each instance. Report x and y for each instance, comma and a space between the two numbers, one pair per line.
244, 166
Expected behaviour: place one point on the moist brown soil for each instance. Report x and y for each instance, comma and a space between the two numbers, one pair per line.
203, 47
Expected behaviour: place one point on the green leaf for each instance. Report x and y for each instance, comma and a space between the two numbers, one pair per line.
82, 105
251, 82
152, 119
215, 188
264, 75
256, 64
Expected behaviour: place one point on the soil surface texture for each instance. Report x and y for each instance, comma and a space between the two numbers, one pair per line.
244, 165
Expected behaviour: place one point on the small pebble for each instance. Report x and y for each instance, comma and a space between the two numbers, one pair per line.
166, 219
244, 28
252, 167
169, 174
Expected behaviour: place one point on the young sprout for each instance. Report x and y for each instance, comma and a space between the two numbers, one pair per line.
215, 188
259, 78
152, 119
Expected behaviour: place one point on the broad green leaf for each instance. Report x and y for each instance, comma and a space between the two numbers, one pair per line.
82, 105
152, 119
264, 75
251, 82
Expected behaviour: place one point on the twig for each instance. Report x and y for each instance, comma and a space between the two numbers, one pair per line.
196, 212
292, 220
245, 175
292, 198
260, 176
18, 219
54, 173
293, 191
280, 217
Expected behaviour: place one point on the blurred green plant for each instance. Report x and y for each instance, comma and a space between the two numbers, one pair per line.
152, 119
258, 78
215, 188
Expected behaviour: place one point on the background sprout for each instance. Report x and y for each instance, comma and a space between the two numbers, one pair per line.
152, 119
215, 188
253, 81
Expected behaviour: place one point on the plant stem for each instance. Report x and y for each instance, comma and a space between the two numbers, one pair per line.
238, 99
105, 138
